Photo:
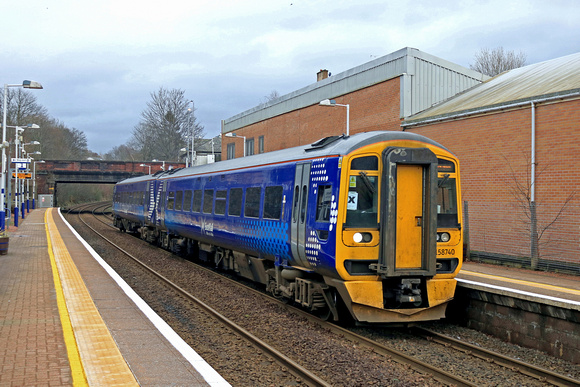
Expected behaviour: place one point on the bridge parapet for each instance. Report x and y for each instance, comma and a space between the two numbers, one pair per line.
52, 172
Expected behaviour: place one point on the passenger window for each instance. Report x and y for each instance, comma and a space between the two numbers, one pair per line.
235, 204
252, 205
220, 202
178, 200
273, 202
187, 200
170, 200
207, 201
323, 203
196, 201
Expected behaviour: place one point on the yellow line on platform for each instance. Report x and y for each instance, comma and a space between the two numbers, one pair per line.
102, 362
521, 282
78, 374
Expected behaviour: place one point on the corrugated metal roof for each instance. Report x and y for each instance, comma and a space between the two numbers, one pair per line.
553, 77
426, 80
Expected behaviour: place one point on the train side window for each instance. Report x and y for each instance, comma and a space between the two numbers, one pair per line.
252, 205
365, 163
187, 196
273, 202
220, 202
296, 202
178, 200
235, 203
196, 201
303, 208
323, 203
170, 200
207, 201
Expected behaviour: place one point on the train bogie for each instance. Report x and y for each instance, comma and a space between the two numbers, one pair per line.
369, 223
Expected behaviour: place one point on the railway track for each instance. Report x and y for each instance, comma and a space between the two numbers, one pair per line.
542, 375
295, 368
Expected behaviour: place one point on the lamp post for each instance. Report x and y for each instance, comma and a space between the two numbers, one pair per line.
191, 128
4, 145
145, 165
332, 103
230, 134
19, 190
30, 160
34, 182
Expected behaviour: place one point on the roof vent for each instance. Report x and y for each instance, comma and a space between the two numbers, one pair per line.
323, 142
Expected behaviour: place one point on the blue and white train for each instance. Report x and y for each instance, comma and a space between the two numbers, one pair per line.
366, 227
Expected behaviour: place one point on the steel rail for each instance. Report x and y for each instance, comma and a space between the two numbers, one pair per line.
293, 367
528, 369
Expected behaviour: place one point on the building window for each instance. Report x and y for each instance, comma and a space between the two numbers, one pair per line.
249, 147
231, 151
261, 144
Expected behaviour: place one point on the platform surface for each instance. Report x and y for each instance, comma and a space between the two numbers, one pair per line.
118, 341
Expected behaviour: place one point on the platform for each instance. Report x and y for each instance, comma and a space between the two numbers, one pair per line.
556, 289
66, 318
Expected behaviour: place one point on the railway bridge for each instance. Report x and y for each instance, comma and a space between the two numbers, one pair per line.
50, 173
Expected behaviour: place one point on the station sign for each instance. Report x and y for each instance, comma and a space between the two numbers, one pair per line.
20, 163
22, 175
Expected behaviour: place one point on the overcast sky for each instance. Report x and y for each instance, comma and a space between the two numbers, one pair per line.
99, 60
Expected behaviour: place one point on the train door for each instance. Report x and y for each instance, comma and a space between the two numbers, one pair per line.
149, 208
299, 213
409, 217
160, 205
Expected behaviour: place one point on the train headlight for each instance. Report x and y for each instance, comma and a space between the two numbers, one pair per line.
443, 237
362, 237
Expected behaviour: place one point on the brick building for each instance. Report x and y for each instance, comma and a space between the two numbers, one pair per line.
380, 93
497, 129
488, 123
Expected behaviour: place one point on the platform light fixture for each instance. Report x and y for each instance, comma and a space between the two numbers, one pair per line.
27, 85
332, 103
145, 165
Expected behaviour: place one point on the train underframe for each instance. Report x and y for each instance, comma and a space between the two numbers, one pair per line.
326, 297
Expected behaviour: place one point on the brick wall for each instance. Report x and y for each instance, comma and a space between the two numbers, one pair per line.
373, 108
494, 152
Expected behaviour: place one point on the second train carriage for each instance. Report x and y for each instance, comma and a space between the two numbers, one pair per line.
369, 223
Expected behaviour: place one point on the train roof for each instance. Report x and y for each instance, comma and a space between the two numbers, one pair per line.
328, 146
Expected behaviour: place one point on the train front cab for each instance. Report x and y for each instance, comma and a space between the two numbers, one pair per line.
401, 204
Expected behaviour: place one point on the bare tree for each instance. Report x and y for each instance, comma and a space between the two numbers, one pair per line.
521, 190
124, 152
496, 61
22, 108
270, 97
163, 129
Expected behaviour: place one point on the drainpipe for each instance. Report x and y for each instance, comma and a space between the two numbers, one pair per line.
533, 177
535, 256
